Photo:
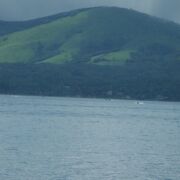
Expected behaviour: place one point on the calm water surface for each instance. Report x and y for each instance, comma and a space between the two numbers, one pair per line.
48, 138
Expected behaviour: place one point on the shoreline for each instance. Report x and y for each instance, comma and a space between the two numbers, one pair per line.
86, 97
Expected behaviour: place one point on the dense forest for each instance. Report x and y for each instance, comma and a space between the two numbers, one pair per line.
132, 81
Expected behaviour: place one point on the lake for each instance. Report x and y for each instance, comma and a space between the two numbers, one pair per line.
51, 138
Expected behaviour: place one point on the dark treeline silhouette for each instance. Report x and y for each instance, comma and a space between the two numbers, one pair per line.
135, 80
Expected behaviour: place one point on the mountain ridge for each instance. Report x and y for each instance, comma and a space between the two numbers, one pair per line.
85, 37
14, 26
97, 52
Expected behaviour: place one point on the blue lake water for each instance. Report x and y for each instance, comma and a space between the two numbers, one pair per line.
50, 138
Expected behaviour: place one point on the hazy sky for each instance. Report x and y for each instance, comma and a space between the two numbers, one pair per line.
28, 9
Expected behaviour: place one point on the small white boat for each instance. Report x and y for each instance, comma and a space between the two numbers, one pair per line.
139, 102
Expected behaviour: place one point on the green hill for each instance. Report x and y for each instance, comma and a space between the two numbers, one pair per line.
97, 35
95, 52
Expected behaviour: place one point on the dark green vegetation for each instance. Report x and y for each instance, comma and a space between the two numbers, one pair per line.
96, 52
134, 81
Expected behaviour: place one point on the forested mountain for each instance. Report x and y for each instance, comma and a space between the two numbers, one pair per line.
96, 52
96, 35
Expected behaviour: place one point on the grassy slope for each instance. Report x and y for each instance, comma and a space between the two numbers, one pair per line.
119, 57
7, 27
98, 32
26, 45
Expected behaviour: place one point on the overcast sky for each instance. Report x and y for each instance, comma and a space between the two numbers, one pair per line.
29, 9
